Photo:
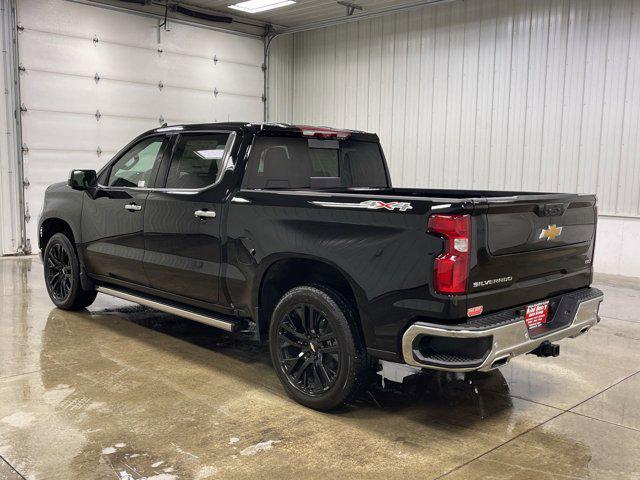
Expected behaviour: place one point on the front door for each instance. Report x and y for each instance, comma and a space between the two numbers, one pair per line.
113, 217
182, 221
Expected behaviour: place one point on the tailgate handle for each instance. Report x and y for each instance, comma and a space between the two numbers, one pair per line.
552, 209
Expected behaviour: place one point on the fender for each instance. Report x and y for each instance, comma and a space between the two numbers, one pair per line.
269, 261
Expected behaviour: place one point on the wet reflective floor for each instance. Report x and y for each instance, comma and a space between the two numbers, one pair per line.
125, 392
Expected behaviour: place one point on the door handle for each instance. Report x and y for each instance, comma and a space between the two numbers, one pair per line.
132, 207
205, 213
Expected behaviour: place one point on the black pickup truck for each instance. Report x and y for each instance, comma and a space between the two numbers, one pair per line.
293, 235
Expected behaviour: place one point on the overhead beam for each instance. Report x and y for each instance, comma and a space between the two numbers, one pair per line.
356, 17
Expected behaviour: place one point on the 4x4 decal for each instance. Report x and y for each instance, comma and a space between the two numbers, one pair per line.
368, 205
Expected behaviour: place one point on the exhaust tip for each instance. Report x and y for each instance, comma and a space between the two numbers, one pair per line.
500, 362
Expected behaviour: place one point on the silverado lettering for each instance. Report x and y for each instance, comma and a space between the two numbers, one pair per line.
484, 283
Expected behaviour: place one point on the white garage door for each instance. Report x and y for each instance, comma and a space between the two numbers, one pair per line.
92, 79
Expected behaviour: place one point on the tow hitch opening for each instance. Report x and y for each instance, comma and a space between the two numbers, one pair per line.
547, 349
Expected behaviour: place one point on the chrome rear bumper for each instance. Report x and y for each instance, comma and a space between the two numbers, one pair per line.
494, 344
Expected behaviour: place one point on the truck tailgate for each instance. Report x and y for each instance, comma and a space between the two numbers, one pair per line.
531, 247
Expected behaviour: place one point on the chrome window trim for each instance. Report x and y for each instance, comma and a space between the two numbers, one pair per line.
227, 164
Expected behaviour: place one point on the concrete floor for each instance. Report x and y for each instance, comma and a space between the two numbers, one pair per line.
125, 392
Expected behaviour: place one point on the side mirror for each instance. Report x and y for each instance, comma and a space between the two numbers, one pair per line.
83, 179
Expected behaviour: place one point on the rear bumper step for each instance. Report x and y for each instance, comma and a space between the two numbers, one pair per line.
491, 341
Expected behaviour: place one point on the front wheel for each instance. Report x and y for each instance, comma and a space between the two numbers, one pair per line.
62, 275
316, 347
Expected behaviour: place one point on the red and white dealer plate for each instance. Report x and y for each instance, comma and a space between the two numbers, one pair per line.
536, 314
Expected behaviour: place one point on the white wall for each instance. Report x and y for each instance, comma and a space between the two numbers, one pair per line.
280, 84
617, 246
501, 94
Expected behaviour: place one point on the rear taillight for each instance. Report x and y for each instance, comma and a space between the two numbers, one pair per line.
451, 267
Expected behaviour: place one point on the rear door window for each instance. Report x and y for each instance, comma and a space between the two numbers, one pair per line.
197, 160
295, 163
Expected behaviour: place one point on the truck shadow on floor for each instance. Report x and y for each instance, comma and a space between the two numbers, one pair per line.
432, 397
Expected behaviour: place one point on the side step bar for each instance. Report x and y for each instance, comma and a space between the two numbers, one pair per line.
208, 319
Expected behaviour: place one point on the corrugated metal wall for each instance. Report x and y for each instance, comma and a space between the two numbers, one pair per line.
280, 85
500, 94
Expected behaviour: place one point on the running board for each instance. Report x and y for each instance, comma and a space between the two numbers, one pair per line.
207, 319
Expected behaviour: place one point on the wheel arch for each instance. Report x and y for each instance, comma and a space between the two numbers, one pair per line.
284, 273
52, 225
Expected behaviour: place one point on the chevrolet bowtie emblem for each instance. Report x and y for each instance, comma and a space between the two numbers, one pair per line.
551, 232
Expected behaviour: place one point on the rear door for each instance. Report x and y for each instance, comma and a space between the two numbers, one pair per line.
531, 247
113, 218
182, 220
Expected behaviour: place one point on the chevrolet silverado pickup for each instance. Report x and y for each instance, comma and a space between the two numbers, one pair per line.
294, 236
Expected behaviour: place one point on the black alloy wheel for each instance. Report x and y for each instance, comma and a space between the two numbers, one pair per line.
308, 350
59, 272
62, 275
317, 348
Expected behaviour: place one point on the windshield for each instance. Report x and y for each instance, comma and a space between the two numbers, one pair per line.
286, 162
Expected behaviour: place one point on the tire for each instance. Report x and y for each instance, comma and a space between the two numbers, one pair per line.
316, 348
62, 275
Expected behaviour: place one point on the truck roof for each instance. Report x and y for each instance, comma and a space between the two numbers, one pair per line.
273, 128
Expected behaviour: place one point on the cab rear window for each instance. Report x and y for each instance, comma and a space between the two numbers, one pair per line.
294, 163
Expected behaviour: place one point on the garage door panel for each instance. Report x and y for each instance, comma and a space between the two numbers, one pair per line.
73, 56
54, 131
182, 106
74, 19
207, 43
43, 51
45, 91
51, 93
61, 96
244, 79
232, 108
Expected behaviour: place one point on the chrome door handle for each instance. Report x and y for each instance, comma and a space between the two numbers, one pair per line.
205, 213
132, 207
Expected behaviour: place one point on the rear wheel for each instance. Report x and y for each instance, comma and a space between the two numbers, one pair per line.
316, 347
62, 275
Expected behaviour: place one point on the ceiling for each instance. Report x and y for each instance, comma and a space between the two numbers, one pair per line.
302, 13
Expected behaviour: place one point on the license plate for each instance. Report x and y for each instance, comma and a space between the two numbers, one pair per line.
536, 314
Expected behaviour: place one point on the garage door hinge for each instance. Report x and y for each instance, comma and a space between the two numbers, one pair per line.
95, 39
161, 120
160, 85
264, 67
160, 50
23, 107
98, 151
263, 98
215, 92
24, 148
98, 115
96, 77
26, 183
21, 68
215, 59
20, 27
27, 215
